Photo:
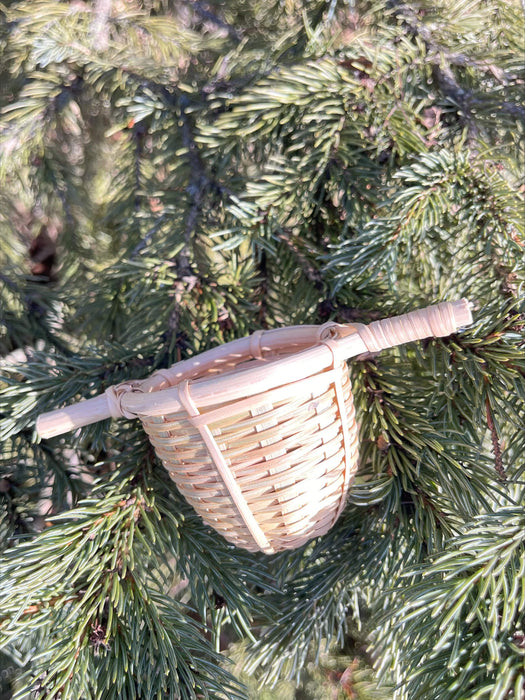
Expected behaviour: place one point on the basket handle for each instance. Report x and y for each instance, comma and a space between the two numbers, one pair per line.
77, 415
433, 321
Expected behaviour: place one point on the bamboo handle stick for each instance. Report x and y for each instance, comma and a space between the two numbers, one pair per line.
75, 416
434, 321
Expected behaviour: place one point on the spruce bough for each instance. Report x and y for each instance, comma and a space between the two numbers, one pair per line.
177, 176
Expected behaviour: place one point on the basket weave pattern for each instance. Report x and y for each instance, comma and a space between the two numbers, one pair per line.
292, 453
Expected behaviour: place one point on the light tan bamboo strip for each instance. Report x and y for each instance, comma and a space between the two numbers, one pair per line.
225, 473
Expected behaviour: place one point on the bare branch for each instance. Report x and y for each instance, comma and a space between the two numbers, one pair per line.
100, 24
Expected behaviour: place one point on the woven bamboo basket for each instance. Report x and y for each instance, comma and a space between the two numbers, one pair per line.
260, 434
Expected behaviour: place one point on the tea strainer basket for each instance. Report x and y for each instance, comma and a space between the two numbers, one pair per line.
260, 434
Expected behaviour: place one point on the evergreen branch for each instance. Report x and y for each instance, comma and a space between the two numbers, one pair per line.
463, 60
323, 593
421, 213
494, 371
146, 239
398, 439
326, 590
29, 311
292, 243
102, 568
204, 11
441, 60
196, 189
459, 589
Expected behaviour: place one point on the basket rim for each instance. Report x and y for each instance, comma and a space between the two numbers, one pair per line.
438, 320
278, 371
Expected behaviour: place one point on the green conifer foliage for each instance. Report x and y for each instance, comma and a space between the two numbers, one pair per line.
175, 175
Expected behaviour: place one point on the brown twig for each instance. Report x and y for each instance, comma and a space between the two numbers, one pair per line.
37, 607
496, 447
